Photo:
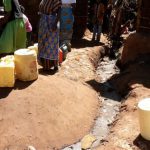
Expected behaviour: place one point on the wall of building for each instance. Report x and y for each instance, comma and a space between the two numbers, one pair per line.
137, 45
143, 24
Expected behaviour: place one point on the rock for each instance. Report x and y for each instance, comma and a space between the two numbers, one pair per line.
31, 148
87, 141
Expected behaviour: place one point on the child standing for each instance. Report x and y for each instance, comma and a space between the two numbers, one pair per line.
27, 23
28, 28
99, 10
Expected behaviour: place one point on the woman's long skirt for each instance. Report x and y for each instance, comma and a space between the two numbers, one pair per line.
13, 36
66, 24
48, 42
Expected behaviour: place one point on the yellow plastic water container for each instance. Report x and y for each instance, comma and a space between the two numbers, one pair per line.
34, 47
8, 58
7, 71
26, 65
144, 118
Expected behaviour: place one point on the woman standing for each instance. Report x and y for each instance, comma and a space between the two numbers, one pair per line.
67, 20
48, 40
13, 35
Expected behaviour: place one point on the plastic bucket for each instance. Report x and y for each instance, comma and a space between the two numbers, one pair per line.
34, 47
60, 56
26, 65
144, 118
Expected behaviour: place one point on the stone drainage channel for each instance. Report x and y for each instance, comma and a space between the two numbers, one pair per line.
110, 104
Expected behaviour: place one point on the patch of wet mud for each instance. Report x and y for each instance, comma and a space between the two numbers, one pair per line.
110, 103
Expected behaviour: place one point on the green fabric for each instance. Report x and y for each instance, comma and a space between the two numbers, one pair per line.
7, 5
13, 36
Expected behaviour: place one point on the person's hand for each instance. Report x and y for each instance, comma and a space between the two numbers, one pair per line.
54, 27
73, 8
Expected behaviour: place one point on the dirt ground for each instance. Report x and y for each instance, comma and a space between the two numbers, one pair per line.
46, 113
53, 111
59, 109
125, 132
133, 83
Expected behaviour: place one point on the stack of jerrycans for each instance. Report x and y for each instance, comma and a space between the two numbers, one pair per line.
7, 71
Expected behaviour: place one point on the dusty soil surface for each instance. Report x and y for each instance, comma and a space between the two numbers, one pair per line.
54, 111
125, 132
46, 113
81, 63
133, 83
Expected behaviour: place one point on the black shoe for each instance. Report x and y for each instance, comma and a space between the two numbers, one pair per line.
93, 39
56, 68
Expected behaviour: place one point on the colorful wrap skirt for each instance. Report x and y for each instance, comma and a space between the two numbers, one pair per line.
48, 39
66, 24
48, 42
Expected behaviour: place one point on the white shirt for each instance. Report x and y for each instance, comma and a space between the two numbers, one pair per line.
68, 1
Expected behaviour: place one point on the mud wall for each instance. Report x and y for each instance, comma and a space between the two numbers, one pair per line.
144, 16
137, 45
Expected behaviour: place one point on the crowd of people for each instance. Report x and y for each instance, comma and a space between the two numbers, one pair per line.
112, 17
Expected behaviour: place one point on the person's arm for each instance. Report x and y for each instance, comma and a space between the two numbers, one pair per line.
73, 7
28, 26
57, 19
101, 11
58, 15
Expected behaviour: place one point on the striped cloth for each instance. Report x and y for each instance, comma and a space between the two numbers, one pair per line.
49, 6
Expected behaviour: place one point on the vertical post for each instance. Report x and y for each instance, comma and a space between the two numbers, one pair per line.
139, 15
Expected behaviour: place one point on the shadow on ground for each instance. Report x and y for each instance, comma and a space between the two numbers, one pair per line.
47, 73
4, 92
82, 43
19, 85
142, 143
105, 89
137, 73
